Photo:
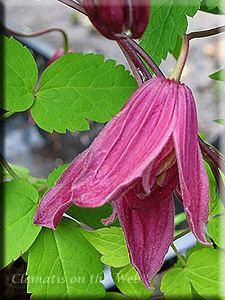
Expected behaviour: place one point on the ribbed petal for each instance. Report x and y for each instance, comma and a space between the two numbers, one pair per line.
57, 199
128, 144
193, 178
148, 234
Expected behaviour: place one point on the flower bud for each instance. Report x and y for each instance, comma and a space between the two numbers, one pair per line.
113, 17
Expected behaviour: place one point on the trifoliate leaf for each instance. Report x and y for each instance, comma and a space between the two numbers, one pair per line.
175, 284
220, 75
129, 282
111, 244
20, 75
20, 204
76, 88
62, 264
168, 21
203, 270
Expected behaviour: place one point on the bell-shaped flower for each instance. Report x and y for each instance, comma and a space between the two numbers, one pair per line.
145, 153
113, 17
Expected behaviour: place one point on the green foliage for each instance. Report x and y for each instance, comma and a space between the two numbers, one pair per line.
168, 21
21, 200
78, 87
202, 271
220, 121
220, 75
128, 282
54, 176
114, 296
179, 218
110, 243
62, 264
20, 75
22, 172
213, 6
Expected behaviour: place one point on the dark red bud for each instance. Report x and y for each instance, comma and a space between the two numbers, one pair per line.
113, 17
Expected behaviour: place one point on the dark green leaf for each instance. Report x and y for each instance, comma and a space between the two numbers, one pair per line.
92, 216
20, 75
129, 283
78, 87
168, 21
21, 200
111, 244
62, 264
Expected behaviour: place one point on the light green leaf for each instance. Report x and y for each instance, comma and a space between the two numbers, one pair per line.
203, 269
92, 216
20, 75
220, 75
78, 87
179, 218
22, 172
54, 176
168, 21
220, 121
62, 265
213, 6
114, 296
129, 282
175, 284
110, 243
20, 201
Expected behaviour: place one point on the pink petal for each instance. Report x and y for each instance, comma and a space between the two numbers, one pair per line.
128, 144
193, 178
148, 234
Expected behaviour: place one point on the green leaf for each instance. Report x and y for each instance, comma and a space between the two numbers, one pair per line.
62, 264
175, 284
112, 296
22, 172
20, 201
20, 75
179, 218
220, 75
110, 243
213, 6
92, 216
220, 121
129, 282
78, 87
54, 176
203, 269
168, 21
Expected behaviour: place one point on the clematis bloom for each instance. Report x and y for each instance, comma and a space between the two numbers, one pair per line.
145, 153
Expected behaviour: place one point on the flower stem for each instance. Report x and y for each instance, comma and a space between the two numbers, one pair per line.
135, 58
179, 235
133, 67
7, 115
177, 70
38, 33
178, 255
8, 168
74, 5
146, 57
212, 155
205, 33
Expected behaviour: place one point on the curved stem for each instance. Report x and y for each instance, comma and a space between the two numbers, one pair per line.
212, 155
135, 58
146, 57
179, 235
7, 115
205, 33
178, 255
38, 33
177, 71
8, 168
133, 67
74, 5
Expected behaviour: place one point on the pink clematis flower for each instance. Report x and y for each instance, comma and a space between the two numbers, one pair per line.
144, 154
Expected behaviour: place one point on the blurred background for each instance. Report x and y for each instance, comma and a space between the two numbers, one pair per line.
40, 151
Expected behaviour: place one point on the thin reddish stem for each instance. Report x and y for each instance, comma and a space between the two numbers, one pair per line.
74, 5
